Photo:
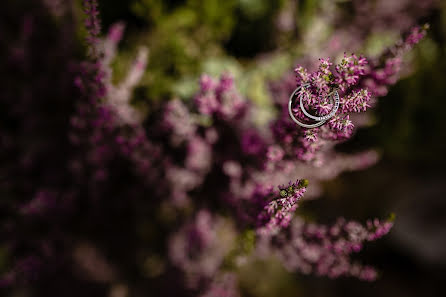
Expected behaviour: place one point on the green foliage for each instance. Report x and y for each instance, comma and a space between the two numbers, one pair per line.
189, 37
181, 37
243, 246
151, 10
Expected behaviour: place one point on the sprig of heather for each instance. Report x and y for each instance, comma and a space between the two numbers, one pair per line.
359, 81
326, 250
305, 143
82, 158
349, 70
357, 101
199, 248
279, 210
119, 95
325, 80
220, 98
93, 25
385, 70
105, 124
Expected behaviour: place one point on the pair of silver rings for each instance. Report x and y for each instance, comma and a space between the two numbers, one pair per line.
334, 99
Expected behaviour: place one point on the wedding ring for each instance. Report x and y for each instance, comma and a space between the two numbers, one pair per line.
334, 99
290, 110
328, 116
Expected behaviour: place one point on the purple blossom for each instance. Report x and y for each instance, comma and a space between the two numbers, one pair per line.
220, 98
356, 79
385, 70
252, 143
274, 153
199, 155
324, 81
350, 70
278, 212
178, 120
325, 250
116, 31
357, 101
93, 26
197, 249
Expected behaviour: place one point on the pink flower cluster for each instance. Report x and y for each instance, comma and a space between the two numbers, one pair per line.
279, 211
93, 25
325, 250
385, 70
219, 98
197, 249
323, 82
359, 81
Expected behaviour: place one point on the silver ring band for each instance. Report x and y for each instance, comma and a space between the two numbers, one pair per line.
327, 116
290, 110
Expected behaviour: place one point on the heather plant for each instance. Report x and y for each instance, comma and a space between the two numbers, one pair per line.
103, 197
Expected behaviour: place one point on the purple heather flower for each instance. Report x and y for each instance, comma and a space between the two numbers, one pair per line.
325, 250
220, 98
199, 155
302, 75
357, 101
416, 34
198, 249
207, 83
93, 26
116, 31
350, 70
274, 153
207, 103
342, 126
311, 135
252, 143
385, 69
278, 212
178, 120
305, 143
232, 169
